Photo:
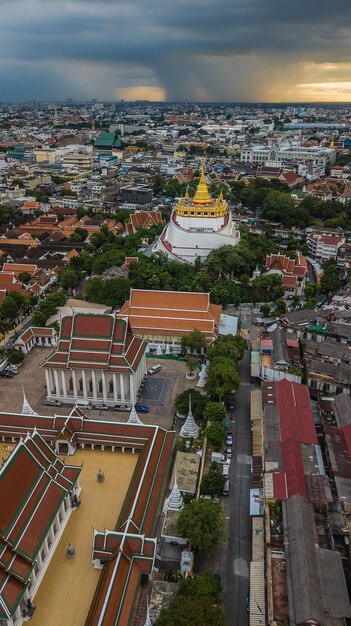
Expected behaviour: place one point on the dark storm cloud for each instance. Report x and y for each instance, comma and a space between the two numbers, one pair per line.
180, 45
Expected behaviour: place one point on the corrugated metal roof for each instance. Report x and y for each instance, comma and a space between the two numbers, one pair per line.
257, 539
257, 594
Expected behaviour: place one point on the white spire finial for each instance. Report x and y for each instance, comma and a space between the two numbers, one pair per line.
134, 417
26, 407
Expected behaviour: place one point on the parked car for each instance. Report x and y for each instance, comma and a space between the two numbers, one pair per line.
12, 368
9, 370
229, 439
142, 408
231, 407
6, 374
121, 407
102, 407
154, 369
229, 452
53, 402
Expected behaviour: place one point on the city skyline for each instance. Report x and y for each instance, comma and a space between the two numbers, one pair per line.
228, 52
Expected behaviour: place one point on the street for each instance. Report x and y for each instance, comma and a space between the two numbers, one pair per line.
231, 559
238, 553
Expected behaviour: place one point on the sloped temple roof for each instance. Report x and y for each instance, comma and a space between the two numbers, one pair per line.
33, 484
131, 545
102, 342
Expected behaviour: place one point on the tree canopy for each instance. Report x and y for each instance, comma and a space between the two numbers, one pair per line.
195, 341
230, 346
196, 603
223, 377
198, 403
213, 482
202, 523
214, 412
215, 434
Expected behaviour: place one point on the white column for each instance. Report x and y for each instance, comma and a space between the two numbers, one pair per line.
64, 387
74, 380
51, 382
47, 380
93, 377
104, 388
40, 561
57, 385
131, 387
85, 389
114, 378
121, 380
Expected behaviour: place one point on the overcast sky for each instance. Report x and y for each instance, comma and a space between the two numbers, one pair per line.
183, 50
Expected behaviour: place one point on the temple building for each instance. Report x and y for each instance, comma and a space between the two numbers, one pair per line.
162, 318
38, 495
96, 360
197, 226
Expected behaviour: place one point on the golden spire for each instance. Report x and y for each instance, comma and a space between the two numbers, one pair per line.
332, 142
186, 195
220, 197
202, 195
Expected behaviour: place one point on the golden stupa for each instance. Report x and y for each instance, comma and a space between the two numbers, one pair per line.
202, 205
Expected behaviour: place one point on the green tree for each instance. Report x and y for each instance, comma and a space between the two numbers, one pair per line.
311, 290
202, 523
330, 280
198, 403
214, 412
223, 377
79, 234
8, 308
24, 277
196, 603
265, 310
215, 434
280, 307
213, 482
69, 278
229, 346
15, 356
195, 341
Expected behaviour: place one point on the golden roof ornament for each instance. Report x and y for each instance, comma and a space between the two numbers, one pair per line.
202, 195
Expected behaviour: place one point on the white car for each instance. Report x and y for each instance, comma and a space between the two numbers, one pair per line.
102, 407
154, 369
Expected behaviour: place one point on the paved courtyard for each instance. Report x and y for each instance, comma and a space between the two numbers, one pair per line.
64, 597
158, 393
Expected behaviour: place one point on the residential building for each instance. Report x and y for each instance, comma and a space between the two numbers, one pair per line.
324, 247
136, 195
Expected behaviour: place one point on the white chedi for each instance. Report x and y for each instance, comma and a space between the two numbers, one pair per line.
190, 427
26, 407
134, 417
175, 501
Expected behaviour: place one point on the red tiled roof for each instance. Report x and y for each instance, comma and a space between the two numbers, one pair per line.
32, 493
174, 313
96, 342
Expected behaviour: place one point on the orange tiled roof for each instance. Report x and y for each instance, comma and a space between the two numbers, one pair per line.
171, 313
